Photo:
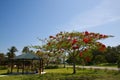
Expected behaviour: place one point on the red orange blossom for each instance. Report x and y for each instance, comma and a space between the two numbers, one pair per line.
77, 41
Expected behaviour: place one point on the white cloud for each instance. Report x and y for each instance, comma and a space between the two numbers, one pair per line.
107, 11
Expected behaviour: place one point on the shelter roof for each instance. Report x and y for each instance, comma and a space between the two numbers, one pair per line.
27, 56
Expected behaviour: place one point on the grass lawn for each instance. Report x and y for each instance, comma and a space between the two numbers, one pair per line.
107, 65
66, 74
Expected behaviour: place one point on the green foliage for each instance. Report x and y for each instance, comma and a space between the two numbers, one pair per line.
11, 53
51, 67
99, 59
74, 44
2, 56
25, 50
112, 54
2, 68
118, 63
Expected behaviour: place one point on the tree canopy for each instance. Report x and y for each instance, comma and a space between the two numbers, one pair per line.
11, 53
75, 44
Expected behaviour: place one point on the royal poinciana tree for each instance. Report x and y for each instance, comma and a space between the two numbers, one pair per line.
76, 44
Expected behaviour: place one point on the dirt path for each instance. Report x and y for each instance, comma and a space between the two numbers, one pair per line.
2, 75
97, 67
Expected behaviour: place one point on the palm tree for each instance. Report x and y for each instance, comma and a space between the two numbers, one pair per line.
11, 53
2, 56
31, 51
25, 50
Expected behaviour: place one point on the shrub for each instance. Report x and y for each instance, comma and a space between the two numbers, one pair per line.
2, 68
51, 67
118, 63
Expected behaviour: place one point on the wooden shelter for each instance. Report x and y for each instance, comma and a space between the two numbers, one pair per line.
26, 60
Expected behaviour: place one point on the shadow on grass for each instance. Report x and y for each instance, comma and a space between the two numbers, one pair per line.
63, 74
81, 75
58, 76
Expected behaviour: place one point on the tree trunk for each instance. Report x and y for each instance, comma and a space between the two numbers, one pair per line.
64, 63
47, 63
12, 66
42, 66
74, 66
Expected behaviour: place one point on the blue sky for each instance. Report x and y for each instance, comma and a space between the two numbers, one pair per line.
23, 21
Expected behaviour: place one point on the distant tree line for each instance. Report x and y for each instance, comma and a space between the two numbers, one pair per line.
111, 55
4, 58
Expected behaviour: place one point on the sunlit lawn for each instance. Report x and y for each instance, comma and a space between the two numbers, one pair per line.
66, 74
107, 65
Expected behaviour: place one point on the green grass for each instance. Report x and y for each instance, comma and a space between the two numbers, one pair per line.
107, 65
66, 74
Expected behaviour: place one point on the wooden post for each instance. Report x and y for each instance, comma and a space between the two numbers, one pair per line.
8, 71
32, 67
23, 67
18, 67
40, 67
